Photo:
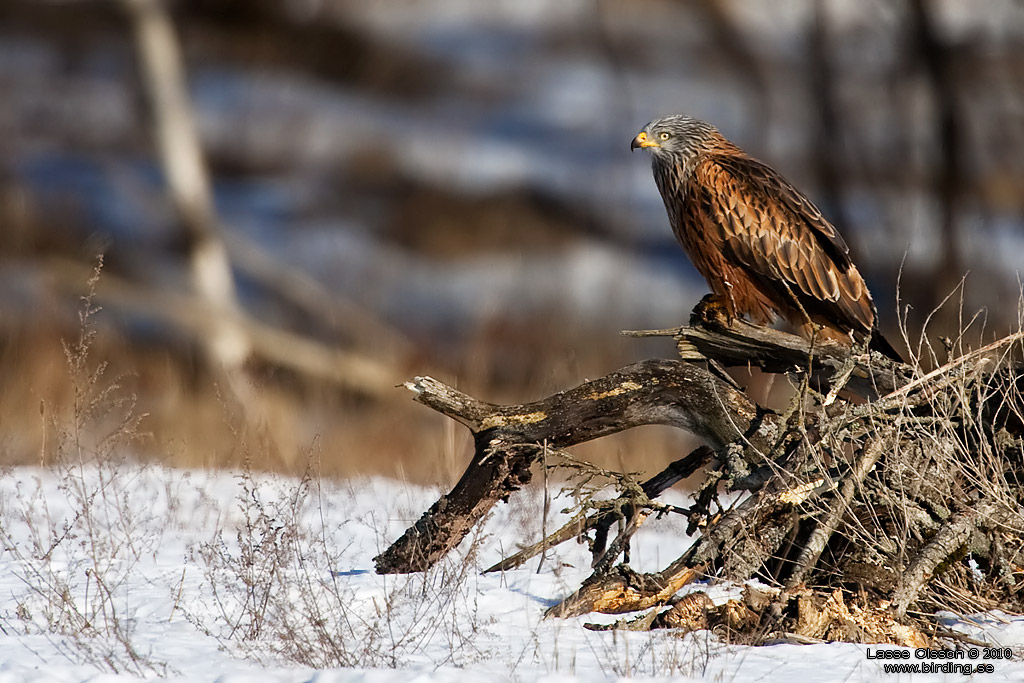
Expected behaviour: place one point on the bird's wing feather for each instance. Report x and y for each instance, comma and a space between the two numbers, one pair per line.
768, 226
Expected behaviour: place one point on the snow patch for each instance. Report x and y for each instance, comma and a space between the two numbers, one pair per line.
450, 624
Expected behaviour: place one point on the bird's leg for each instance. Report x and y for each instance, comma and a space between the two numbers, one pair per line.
712, 311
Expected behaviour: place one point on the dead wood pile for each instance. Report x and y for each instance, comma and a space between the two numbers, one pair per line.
880, 496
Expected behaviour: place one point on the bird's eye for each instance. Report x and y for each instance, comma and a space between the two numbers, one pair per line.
664, 136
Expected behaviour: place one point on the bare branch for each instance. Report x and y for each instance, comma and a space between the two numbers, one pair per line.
195, 316
741, 344
945, 543
163, 80
814, 546
507, 439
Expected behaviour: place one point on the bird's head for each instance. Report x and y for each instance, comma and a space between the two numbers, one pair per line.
676, 137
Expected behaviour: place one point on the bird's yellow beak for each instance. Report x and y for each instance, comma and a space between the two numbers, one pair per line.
642, 140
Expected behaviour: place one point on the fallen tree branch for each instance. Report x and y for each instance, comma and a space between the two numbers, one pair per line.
815, 545
741, 344
950, 537
737, 543
507, 439
623, 590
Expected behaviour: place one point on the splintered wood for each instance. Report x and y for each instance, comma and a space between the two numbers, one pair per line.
622, 590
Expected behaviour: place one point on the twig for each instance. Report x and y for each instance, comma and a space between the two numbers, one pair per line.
665, 332
952, 365
547, 504
603, 519
603, 562
571, 529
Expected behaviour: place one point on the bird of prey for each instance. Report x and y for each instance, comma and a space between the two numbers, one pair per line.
762, 246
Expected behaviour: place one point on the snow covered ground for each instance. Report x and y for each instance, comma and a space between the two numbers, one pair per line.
117, 571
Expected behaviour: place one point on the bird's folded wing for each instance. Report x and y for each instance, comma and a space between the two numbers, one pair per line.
769, 227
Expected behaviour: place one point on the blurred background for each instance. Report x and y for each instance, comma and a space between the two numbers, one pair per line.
298, 204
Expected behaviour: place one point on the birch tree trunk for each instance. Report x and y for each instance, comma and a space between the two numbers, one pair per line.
188, 184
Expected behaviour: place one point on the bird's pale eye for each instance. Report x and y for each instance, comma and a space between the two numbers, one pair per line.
664, 136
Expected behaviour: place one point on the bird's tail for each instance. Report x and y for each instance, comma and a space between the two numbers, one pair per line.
882, 345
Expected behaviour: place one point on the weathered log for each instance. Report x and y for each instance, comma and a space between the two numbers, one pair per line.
741, 344
507, 438
674, 393
623, 590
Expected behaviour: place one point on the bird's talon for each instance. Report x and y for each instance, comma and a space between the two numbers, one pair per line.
710, 312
